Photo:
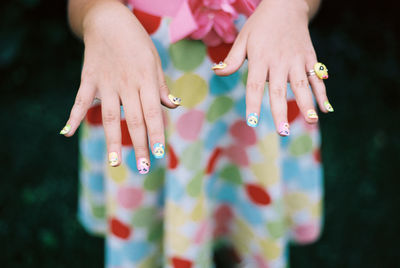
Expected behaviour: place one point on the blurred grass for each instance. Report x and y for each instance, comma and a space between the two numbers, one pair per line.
39, 74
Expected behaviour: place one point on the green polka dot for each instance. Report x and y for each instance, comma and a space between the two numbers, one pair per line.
231, 173
186, 55
84, 131
219, 107
144, 217
191, 155
191, 88
276, 229
244, 77
301, 145
195, 185
155, 232
99, 211
154, 180
84, 164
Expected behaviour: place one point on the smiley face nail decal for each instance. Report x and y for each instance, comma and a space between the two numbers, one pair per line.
328, 106
66, 129
321, 71
174, 100
143, 165
113, 159
158, 150
284, 129
252, 120
312, 114
219, 66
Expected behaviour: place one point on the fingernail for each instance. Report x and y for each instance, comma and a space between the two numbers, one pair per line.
143, 165
113, 159
174, 100
328, 106
219, 66
66, 129
312, 114
158, 150
284, 129
252, 120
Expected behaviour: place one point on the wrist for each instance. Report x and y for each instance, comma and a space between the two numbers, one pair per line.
298, 8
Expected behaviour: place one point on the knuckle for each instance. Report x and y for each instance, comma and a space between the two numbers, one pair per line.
277, 91
153, 113
134, 122
81, 102
164, 87
109, 117
302, 83
256, 87
140, 150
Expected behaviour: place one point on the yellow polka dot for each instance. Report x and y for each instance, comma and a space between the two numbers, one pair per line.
266, 173
198, 212
177, 242
191, 88
111, 206
150, 262
269, 146
296, 201
118, 174
178, 215
316, 209
242, 236
270, 249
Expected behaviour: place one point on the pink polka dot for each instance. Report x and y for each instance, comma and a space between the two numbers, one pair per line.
189, 124
237, 154
129, 197
306, 233
223, 214
261, 263
201, 233
243, 134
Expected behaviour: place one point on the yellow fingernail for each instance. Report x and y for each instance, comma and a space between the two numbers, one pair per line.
66, 129
174, 100
219, 66
328, 106
312, 114
113, 159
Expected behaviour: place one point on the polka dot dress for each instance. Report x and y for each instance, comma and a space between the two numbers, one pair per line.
223, 186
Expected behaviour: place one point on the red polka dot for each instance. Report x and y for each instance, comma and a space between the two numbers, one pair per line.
223, 214
119, 229
149, 22
258, 195
243, 134
178, 262
125, 137
220, 230
237, 155
317, 155
219, 52
293, 110
173, 159
213, 160
93, 116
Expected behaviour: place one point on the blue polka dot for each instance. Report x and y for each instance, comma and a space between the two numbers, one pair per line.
130, 160
96, 182
290, 94
308, 178
240, 107
162, 52
175, 190
285, 142
249, 212
217, 131
94, 149
210, 186
113, 256
226, 193
136, 251
223, 84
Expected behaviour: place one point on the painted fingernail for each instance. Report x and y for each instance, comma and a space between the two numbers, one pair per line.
158, 150
113, 159
252, 120
312, 114
219, 66
143, 165
66, 129
174, 100
284, 129
328, 106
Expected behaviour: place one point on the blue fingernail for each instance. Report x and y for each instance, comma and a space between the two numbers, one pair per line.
158, 150
252, 120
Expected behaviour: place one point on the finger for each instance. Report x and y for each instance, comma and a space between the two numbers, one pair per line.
318, 87
83, 101
255, 90
137, 130
149, 97
277, 89
167, 99
111, 114
301, 89
235, 58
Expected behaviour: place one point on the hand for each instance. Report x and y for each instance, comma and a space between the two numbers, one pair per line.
278, 47
121, 65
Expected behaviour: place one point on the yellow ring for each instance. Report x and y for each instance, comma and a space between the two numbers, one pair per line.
321, 71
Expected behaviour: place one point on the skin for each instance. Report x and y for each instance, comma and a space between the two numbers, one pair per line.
121, 66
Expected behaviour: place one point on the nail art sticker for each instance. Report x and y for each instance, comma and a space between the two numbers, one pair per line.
66, 129
113, 159
321, 71
284, 129
219, 66
328, 106
312, 114
174, 100
252, 120
158, 150
143, 165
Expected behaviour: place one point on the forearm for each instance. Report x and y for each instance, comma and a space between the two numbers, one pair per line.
78, 10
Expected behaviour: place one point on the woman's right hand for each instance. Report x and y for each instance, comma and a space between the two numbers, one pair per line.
122, 66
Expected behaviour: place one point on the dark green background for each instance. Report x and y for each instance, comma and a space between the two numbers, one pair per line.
39, 74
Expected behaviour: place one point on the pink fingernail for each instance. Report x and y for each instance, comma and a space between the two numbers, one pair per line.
284, 129
143, 165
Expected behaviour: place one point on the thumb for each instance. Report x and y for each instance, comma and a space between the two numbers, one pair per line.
235, 58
